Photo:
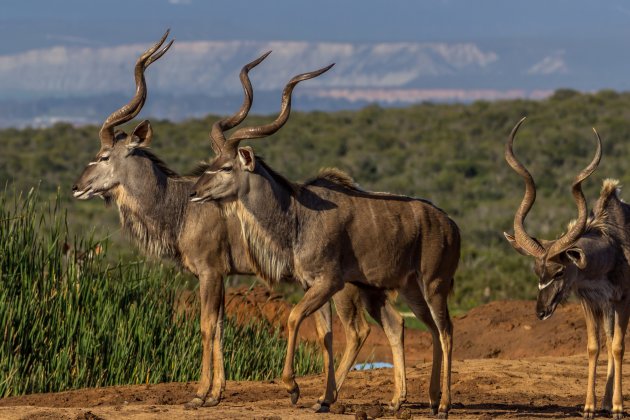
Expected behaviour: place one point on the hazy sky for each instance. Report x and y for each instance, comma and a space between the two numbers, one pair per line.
28, 24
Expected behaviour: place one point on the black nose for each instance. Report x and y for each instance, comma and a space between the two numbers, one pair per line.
193, 194
75, 188
541, 314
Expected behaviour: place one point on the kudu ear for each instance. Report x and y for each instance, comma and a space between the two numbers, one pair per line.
141, 135
512, 242
577, 257
246, 157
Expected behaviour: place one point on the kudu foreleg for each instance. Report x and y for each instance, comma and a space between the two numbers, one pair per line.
609, 328
218, 366
622, 312
211, 297
592, 331
314, 298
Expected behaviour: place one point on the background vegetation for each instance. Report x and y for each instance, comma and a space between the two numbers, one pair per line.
72, 318
449, 154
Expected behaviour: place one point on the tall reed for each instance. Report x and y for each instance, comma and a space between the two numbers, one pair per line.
70, 318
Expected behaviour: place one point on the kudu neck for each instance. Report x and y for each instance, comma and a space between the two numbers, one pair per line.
267, 212
267, 197
152, 208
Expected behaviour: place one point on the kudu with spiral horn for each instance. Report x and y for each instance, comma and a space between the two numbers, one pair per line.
156, 213
590, 260
328, 233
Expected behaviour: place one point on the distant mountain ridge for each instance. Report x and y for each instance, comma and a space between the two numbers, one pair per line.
212, 66
76, 84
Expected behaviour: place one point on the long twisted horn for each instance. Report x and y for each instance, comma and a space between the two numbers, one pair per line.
241, 134
520, 235
216, 134
129, 111
578, 227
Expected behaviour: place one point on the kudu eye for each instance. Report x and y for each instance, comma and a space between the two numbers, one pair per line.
103, 158
226, 169
558, 274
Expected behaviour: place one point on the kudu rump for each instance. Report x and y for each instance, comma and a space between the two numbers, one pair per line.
328, 232
154, 207
591, 260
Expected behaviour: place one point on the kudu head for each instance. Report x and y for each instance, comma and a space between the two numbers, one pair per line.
114, 163
227, 175
559, 263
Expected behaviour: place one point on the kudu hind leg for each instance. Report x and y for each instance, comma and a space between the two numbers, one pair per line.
323, 324
412, 295
437, 300
389, 319
314, 298
356, 328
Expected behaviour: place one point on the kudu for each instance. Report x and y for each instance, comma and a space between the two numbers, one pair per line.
154, 208
590, 260
328, 232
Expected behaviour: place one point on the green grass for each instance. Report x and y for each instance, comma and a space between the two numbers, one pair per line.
73, 320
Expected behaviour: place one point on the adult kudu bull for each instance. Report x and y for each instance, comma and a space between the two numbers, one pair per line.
327, 232
591, 260
154, 208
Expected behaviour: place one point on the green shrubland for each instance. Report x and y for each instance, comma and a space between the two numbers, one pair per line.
451, 154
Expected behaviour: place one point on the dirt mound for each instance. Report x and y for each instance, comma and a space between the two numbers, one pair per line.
510, 330
500, 329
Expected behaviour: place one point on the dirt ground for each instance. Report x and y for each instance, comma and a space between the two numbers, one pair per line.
507, 364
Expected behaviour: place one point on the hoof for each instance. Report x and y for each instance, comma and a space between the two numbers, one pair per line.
442, 415
211, 402
589, 415
193, 404
295, 394
434, 410
394, 406
320, 407
617, 415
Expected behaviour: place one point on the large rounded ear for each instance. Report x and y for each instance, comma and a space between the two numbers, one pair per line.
577, 257
246, 157
141, 135
512, 242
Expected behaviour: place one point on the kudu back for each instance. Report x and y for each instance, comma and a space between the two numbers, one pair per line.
589, 260
328, 232
155, 211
